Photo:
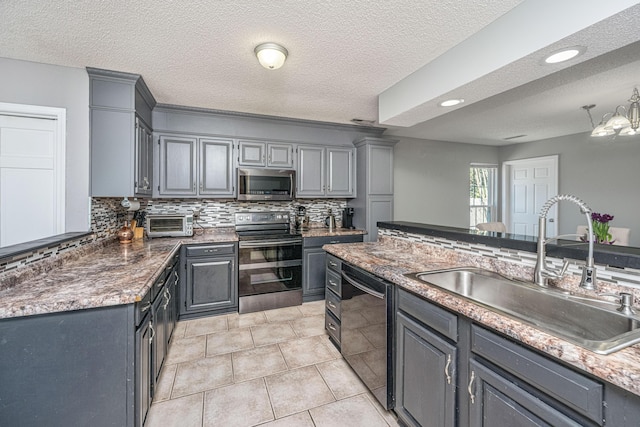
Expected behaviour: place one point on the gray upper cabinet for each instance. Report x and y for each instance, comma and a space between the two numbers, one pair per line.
325, 172
177, 157
374, 201
265, 154
121, 145
216, 167
192, 166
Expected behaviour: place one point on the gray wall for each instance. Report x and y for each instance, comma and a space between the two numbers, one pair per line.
605, 173
431, 180
63, 87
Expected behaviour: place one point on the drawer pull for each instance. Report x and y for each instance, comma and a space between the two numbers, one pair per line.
446, 369
332, 327
153, 333
332, 264
334, 241
331, 305
469, 388
145, 308
332, 283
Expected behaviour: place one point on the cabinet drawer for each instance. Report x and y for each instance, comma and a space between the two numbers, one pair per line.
310, 242
332, 325
142, 308
332, 302
333, 281
433, 316
334, 263
563, 384
211, 250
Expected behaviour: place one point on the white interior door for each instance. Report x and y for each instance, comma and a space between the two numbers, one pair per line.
30, 194
527, 185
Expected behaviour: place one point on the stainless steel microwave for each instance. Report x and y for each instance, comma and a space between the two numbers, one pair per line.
169, 225
266, 184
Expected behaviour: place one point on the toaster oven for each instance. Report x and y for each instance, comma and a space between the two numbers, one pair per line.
169, 225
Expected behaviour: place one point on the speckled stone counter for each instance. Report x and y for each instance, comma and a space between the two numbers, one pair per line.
391, 258
325, 232
104, 274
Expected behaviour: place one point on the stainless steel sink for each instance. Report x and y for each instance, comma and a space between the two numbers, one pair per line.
592, 324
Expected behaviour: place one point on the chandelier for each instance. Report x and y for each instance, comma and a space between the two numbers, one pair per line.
623, 121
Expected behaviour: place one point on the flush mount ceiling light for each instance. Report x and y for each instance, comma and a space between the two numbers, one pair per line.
451, 102
564, 54
271, 55
623, 121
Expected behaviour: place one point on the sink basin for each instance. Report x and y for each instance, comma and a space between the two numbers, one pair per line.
592, 324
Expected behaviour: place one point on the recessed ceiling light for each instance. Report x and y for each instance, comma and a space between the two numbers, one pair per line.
564, 54
451, 102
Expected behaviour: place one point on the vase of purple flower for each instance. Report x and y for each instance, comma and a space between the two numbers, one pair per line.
600, 223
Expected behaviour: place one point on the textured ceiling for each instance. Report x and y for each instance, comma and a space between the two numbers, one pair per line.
342, 55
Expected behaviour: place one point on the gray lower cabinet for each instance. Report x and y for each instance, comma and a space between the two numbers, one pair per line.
313, 263
426, 376
144, 369
333, 300
210, 282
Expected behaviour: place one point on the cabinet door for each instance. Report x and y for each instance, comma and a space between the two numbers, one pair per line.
496, 401
340, 172
252, 153
379, 208
311, 172
144, 159
380, 170
280, 156
159, 344
177, 166
313, 273
211, 284
216, 167
425, 376
143, 371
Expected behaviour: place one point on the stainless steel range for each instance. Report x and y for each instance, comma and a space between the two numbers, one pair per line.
269, 263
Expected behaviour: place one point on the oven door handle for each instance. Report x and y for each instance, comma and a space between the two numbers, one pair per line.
362, 287
264, 243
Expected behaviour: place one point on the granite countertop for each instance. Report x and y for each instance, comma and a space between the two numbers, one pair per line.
387, 260
325, 232
107, 274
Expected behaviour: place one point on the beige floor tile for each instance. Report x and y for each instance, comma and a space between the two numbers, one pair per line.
305, 352
186, 349
283, 314
331, 345
309, 326
202, 374
206, 325
163, 391
271, 333
178, 332
257, 362
184, 412
354, 411
229, 341
236, 320
388, 416
297, 390
341, 379
312, 308
302, 419
244, 404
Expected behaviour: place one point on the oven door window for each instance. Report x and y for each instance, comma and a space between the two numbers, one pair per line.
270, 279
268, 253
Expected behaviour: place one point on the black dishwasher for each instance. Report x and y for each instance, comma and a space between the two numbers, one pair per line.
367, 330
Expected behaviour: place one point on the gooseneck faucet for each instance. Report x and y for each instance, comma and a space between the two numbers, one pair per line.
542, 272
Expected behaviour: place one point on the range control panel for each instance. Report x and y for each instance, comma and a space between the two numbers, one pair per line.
262, 218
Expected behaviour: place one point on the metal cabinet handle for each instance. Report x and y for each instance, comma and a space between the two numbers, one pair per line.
446, 369
145, 308
332, 305
333, 242
153, 332
332, 283
333, 264
469, 388
177, 278
167, 297
332, 327
159, 283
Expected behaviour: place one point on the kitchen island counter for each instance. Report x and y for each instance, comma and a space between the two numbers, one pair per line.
391, 259
102, 274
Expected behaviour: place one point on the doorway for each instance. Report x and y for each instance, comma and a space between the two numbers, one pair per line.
527, 185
